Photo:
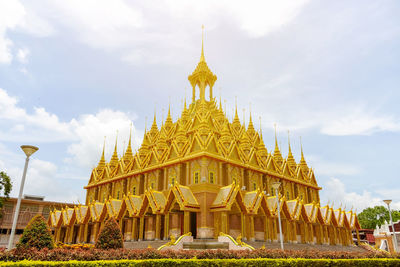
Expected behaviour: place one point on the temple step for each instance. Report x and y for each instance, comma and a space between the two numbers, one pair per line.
205, 245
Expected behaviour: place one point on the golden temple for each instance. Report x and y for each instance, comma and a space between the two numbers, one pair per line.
204, 174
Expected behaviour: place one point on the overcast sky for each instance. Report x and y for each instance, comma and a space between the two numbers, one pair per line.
72, 72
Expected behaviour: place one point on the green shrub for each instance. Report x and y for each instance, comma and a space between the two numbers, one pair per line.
110, 236
223, 262
36, 235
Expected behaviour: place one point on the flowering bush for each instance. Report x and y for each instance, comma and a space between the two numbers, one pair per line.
74, 246
110, 236
92, 254
36, 234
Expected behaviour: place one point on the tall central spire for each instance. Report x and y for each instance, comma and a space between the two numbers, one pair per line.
202, 58
202, 76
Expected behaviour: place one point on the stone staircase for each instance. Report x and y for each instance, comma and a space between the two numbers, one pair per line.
300, 246
205, 244
214, 244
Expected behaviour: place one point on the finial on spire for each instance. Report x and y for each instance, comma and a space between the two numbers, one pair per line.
301, 145
288, 136
202, 42
116, 141
145, 124
244, 117
102, 162
276, 139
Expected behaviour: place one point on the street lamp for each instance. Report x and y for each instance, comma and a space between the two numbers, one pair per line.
275, 186
388, 201
29, 150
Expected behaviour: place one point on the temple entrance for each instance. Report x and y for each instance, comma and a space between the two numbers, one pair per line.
193, 224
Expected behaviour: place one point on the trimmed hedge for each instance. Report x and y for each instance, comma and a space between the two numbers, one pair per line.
36, 234
67, 254
110, 236
216, 262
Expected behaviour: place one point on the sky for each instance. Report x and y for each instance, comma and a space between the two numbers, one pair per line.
74, 72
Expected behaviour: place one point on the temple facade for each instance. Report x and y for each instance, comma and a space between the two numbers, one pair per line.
204, 174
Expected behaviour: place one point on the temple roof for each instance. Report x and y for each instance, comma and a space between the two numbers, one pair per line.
202, 129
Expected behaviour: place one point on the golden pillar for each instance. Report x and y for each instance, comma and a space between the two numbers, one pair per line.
243, 226
224, 222
251, 226
265, 220
166, 226
85, 232
134, 229
217, 224
186, 222
141, 228
158, 226
80, 229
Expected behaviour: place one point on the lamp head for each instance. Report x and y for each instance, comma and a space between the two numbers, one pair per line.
276, 185
387, 201
29, 150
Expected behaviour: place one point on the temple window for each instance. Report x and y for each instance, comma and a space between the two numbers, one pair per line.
118, 195
134, 190
211, 177
196, 177
272, 192
287, 195
172, 181
254, 186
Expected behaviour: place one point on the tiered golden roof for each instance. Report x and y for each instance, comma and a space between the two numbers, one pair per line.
202, 129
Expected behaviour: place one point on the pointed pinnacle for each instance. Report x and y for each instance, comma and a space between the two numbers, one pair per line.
202, 46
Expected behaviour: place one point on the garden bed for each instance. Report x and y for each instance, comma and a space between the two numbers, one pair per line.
215, 262
91, 254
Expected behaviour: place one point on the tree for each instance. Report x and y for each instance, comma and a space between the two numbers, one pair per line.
5, 189
110, 236
37, 234
369, 218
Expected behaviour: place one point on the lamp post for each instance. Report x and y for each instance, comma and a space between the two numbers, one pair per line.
276, 186
388, 201
29, 150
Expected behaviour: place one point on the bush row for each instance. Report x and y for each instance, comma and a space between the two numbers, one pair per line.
63, 254
216, 262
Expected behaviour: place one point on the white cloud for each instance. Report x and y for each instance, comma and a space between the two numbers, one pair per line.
91, 130
22, 55
335, 191
143, 31
330, 168
84, 137
11, 13
14, 16
259, 18
360, 121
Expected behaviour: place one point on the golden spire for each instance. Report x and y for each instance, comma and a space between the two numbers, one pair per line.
250, 127
244, 117
277, 152
154, 127
202, 59
202, 76
128, 154
102, 162
290, 158
220, 102
303, 163
236, 118
114, 158
168, 121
